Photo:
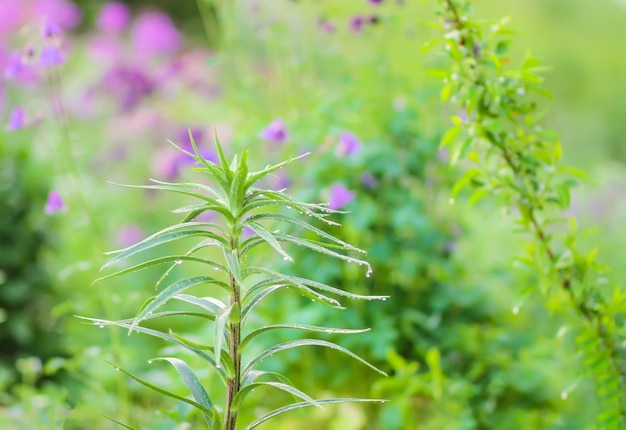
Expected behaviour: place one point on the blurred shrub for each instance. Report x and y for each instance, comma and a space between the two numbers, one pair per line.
27, 327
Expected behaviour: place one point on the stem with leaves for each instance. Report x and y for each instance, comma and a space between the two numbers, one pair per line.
510, 155
245, 212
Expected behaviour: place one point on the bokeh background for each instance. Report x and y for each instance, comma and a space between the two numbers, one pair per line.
92, 91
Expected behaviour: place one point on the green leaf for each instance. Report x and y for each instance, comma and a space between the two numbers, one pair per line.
269, 238
232, 261
169, 292
195, 404
324, 250
116, 422
166, 337
305, 342
256, 176
193, 383
293, 406
305, 327
220, 325
243, 393
228, 173
153, 241
156, 261
212, 305
450, 136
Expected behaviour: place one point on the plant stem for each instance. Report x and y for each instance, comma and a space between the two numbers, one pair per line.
234, 338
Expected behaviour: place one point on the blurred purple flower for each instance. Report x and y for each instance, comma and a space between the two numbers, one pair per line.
129, 84
50, 56
275, 132
185, 142
113, 17
339, 196
349, 144
129, 235
369, 181
154, 33
376, 2
66, 14
326, 26
356, 24
16, 67
54, 203
50, 30
17, 119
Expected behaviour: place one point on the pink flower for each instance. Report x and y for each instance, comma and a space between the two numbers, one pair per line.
54, 204
349, 144
340, 196
275, 132
113, 17
129, 235
65, 13
154, 33
17, 119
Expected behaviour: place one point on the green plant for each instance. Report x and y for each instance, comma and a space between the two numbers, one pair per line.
511, 156
246, 212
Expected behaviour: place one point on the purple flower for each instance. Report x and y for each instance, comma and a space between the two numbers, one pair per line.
326, 26
113, 17
54, 203
154, 33
339, 196
129, 84
50, 56
50, 30
16, 67
356, 24
369, 181
275, 132
17, 119
376, 2
349, 144
129, 235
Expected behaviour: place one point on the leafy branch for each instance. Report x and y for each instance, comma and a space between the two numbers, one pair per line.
508, 154
246, 213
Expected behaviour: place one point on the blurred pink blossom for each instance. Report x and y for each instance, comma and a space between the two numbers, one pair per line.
154, 33
113, 17
54, 203
129, 235
340, 196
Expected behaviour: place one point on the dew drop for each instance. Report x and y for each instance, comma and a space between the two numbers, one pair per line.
516, 310
287, 258
564, 395
216, 268
101, 325
368, 273
178, 261
149, 361
117, 368
384, 299
218, 366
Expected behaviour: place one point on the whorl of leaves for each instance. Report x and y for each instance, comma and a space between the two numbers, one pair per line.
246, 214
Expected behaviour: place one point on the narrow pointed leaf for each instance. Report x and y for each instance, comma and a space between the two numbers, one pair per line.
305, 327
306, 404
254, 177
306, 342
167, 393
156, 261
243, 393
268, 237
169, 292
192, 382
220, 325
